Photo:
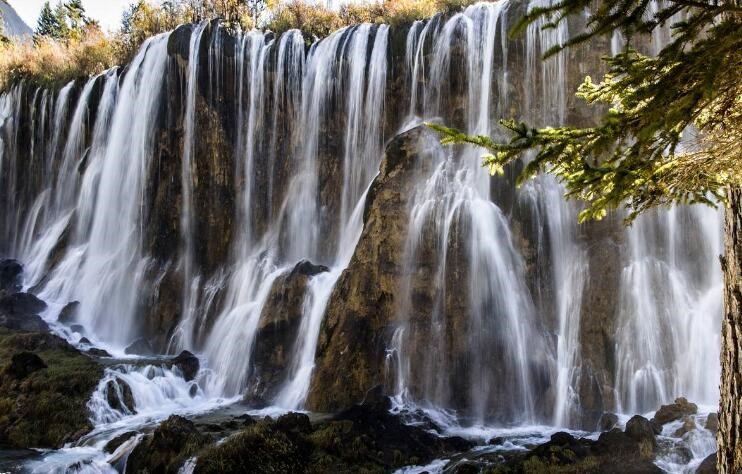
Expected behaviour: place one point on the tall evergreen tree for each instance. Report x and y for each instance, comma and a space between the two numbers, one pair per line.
671, 133
48, 23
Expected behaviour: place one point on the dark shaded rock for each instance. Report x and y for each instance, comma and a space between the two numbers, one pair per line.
140, 347
24, 364
84, 340
78, 328
27, 323
675, 411
365, 438
187, 363
119, 396
114, 444
46, 408
607, 422
259, 448
307, 268
69, 313
94, 351
193, 390
708, 465
276, 336
657, 427
641, 430
11, 276
614, 452
298, 422
712, 422
167, 448
21, 304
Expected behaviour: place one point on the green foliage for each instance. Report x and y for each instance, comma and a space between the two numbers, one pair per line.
66, 21
672, 132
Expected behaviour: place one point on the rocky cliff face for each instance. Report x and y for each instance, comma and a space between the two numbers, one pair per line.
443, 285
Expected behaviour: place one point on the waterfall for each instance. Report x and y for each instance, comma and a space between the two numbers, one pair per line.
178, 197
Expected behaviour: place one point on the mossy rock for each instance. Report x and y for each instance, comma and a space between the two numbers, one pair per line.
45, 408
167, 448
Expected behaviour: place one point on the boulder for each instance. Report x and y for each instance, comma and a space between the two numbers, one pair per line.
297, 422
712, 422
11, 276
307, 268
24, 364
78, 328
167, 448
69, 313
46, 407
84, 340
675, 411
708, 465
26, 323
187, 363
21, 304
119, 396
114, 444
607, 422
95, 352
641, 430
140, 347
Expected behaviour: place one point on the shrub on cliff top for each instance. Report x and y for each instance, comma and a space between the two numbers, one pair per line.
320, 21
49, 62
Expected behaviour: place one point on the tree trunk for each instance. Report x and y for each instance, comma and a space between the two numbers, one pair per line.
729, 438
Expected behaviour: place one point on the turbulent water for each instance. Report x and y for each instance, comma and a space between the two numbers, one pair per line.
307, 128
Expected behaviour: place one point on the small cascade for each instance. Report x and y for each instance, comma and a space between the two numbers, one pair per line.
669, 306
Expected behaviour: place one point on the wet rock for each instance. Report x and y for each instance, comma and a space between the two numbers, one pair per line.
11, 276
712, 422
193, 390
641, 430
262, 447
21, 304
297, 422
27, 323
675, 411
95, 352
276, 336
114, 444
688, 425
187, 363
119, 396
78, 328
69, 313
84, 340
47, 407
168, 447
24, 364
708, 465
307, 268
140, 347
607, 422
365, 438
361, 311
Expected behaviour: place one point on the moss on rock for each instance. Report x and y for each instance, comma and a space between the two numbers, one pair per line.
45, 408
